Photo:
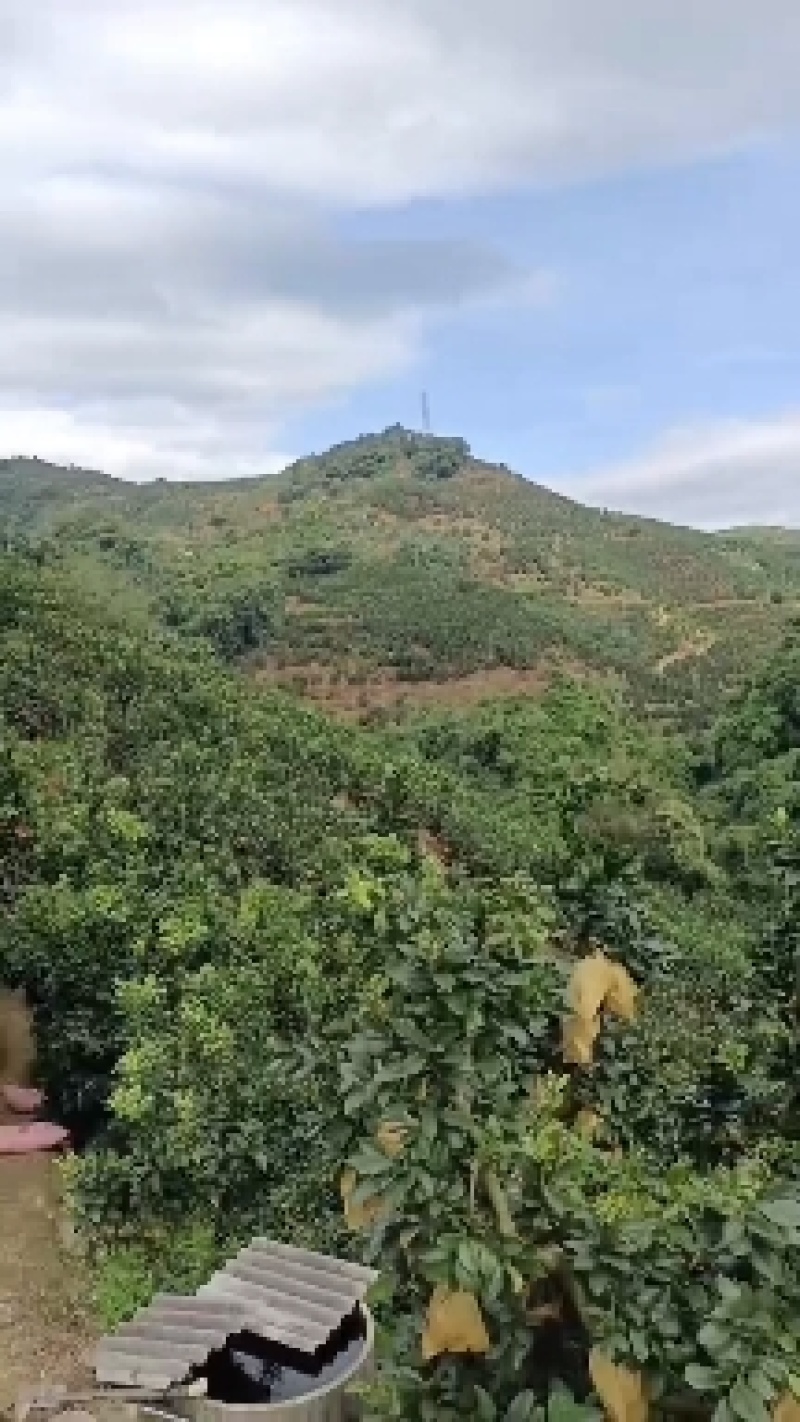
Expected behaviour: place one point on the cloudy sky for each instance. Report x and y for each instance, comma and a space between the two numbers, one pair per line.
232, 231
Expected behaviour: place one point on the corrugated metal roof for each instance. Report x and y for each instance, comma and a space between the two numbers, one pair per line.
286, 1295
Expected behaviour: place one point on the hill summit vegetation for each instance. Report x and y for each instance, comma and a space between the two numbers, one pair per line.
491, 980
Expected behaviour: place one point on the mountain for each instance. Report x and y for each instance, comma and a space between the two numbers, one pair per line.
399, 570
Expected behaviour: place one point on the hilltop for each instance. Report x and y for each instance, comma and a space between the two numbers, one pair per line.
399, 570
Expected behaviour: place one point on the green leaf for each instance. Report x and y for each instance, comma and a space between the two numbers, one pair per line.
767, 1265
563, 1407
784, 1213
701, 1379
524, 1408
485, 1410
762, 1385
400, 1071
640, 1346
713, 1338
730, 1291
370, 1161
747, 1404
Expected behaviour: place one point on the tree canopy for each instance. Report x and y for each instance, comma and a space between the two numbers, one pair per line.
504, 1000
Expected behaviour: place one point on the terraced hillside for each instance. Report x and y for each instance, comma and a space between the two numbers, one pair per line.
400, 570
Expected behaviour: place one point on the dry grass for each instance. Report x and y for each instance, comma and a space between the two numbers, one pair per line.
355, 700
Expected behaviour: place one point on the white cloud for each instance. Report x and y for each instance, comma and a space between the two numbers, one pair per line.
369, 100
215, 311
167, 164
201, 398
155, 448
718, 477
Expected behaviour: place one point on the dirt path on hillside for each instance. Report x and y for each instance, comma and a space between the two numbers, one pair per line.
696, 646
45, 1330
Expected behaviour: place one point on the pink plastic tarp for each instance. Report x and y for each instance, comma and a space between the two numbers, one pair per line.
31, 1137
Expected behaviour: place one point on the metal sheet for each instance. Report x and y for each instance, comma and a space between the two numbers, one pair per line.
279, 1293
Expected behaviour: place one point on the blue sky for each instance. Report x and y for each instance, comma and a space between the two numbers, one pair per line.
675, 301
234, 233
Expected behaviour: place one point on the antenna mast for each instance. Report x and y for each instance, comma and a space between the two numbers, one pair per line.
426, 413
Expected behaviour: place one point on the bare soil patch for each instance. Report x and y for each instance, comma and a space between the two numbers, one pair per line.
383, 691
45, 1325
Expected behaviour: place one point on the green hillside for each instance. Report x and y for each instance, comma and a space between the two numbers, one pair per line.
342, 985
34, 493
398, 570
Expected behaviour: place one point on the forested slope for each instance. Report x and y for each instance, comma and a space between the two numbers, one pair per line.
345, 985
398, 570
